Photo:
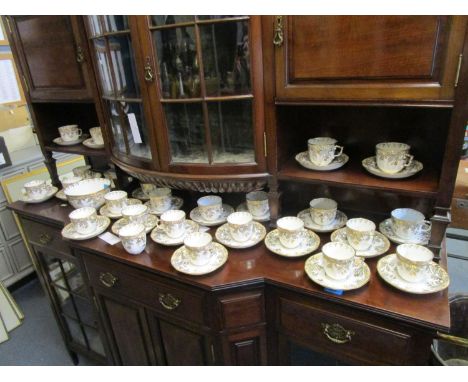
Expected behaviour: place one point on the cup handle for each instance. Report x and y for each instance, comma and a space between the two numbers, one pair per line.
341, 151
80, 132
410, 160
425, 226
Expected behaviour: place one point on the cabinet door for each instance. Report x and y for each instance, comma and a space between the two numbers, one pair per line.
379, 58
52, 53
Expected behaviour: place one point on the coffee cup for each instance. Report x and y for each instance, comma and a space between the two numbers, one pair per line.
338, 259
392, 157
413, 261
198, 245
173, 223
210, 207
148, 188
290, 230
115, 201
136, 213
70, 133
409, 224
323, 211
160, 198
322, 150
84, 220
36, 189
96, 135
68, 181
257, 203
360, 233
83, 171
240, 226
133, 237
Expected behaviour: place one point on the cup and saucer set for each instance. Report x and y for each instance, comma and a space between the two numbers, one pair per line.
337, 267
85, 224
199, 255
79, 173
37, 191
406, 226
256, 202
291, 239
173, 228
392, 160
322, 155
360, 233
136, 213
412, 270
96, 141
323, 215
211, 211
162, 200
144, 191
115, 202
69, 135
240, 231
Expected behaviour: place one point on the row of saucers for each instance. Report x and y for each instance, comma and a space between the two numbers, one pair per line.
72, 135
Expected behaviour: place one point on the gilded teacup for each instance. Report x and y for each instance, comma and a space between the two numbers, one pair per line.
160, 198
392, 157
409, 224
36, 189
67, 182
338, 259
83, 171
257, 203
323, 210
84, 220
136, 213
147, 188
210, 207
96, 135
240, 225
198, 245
115, 201
360, 233
413, 261
133, 237
173, 223
322, 150
290, 230
70, 133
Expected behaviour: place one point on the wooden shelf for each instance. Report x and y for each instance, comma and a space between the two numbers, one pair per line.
77, 149
354, 175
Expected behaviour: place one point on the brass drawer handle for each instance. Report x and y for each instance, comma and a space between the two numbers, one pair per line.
168, 301
45, 238
337, 334
453, 339
278, 36
107, 279
79, 54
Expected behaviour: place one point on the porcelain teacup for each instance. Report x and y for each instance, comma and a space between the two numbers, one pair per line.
96, 135
67, 182
413, 261
83, 171
360, 233
173, 223
290, 230
323, 210
136, 213
210, 207
338, 259
240, 226
160, 198
257, 203
392, 157
322, 150
115, 201
70, 133
409, 224
198, 246
36, 189
147, 188
84, 220
133, 237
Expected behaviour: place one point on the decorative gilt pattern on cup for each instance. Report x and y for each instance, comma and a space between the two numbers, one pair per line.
136, 213
70, 133
210, 207
413, 261
36, 189
173, 223
199, 249
83, 171
257, 203
240, 225
322, 150
323, 210
84, 220
115, 201
68, 181
96, 134
338, 260
290, 230
148, 188
410, 224
160, 198
393, 157
133, 237
360, 233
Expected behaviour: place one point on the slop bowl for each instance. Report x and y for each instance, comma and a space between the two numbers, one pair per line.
88, 193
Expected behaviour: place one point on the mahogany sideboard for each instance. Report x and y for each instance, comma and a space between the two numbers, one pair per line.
258, 309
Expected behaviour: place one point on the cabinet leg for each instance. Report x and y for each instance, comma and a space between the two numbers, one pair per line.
49, 162
440, 221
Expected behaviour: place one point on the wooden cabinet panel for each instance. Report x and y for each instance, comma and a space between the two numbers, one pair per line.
242, 309
45, 236
246, 348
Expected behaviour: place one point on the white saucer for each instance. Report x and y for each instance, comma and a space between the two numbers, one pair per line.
176, 204
359, 276
195, 216
59, 141
90, 143
150, 223
243, 208
304, 161
69, 232
159, 236
370, 165
61, 195
436, 280
224, 236
379, 245
52, 191
104, 211
386, 228
310, 242
181, 262
139, 194
340, 221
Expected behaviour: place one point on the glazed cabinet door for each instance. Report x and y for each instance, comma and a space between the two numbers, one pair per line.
362, 58
53, 56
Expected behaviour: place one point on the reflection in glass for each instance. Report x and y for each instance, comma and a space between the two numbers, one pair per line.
115, 23
212, 17
226, 58
231, 131
121, 54
186, 132
159, 20
76, 331
178, 62
117, 134
94, 340
103, 67
137, 132
94, 25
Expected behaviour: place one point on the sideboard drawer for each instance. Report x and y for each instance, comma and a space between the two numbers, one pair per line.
338, 334
44, 235
144, 287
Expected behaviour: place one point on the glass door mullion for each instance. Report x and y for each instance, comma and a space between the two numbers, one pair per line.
123, 127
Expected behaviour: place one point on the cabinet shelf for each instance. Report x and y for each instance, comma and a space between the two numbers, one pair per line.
354, 175
76, 149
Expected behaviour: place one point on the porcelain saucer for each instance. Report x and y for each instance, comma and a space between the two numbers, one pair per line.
61, 195
159, 236
139, 194
196, 216
69, 232
436, 280
59, 141
90, 143
52, 191
224, 236
181, 261
386, 228
243, 208
105, 211
360, 274
379, 245
304, 161
340, 221
370, 165
150, 223
309, 243
176, 204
